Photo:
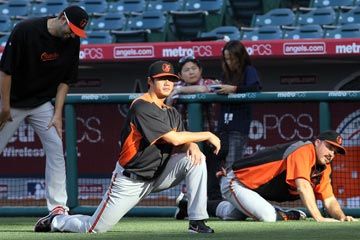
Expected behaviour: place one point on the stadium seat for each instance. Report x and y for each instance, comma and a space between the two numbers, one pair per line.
15, 8
94, 7
127, 6
97, 37
110, 21
303, 32
261, 33
131, 36
187, 25
48, 7
220, 32
211, 6
5, 23
3, 38
344, 31
214, 8
331, 3
317, 16
165, 5
352, 16
277, 17
153, 20
244, 10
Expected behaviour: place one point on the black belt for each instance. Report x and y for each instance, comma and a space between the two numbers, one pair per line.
133, 176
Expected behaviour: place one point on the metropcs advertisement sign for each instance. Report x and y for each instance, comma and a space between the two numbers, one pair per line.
213, 49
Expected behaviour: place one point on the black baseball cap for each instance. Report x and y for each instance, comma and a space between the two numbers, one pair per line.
333, 138
76, 18
160, 69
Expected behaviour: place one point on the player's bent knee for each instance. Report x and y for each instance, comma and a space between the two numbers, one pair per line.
268, 217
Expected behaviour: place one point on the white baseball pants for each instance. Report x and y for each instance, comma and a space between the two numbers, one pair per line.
246, 200
39, 118
124, 193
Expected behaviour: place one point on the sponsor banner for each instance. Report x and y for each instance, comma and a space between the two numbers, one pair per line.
98, 144
279, 123
126, 52
212, 49
304, 48
346, 169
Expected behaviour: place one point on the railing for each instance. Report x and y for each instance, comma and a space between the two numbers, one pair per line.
194, 102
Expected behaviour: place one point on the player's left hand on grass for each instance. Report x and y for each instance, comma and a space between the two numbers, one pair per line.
57, 123
349, 219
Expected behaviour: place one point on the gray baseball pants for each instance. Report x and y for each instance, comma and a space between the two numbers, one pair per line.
39, 118
124, 193
244, 199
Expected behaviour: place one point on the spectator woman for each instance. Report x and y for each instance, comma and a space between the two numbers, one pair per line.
190, 72
234, 120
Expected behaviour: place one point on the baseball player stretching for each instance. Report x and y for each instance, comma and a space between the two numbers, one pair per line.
40, 59
156, 154
286, 172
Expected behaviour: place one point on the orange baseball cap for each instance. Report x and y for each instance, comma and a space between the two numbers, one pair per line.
77, 19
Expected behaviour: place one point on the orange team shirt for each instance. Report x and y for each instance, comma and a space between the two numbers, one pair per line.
298, 164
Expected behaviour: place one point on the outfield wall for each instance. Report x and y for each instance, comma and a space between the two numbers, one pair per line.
93, 124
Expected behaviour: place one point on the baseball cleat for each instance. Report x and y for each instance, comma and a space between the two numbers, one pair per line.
44, 223
181, 210
199, 226
290, 214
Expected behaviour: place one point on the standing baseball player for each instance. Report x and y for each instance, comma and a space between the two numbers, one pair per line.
156, 154
39, 62
286, 172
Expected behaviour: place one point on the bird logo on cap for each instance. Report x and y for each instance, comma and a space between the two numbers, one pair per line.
83, 23
339, 140
166, 67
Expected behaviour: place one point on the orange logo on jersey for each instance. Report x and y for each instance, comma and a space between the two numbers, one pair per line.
166, 67
48, 56
339, 140
83, 23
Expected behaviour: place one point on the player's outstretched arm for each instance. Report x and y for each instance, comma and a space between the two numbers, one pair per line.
308, 198
180, 138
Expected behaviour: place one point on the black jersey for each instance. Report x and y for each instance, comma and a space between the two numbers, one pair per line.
38, 62
142, 150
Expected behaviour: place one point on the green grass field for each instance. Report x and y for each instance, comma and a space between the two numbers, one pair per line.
167, 228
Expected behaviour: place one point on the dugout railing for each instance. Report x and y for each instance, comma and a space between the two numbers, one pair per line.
195, 103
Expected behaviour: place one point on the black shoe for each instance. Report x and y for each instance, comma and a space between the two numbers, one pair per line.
44, 223
181, 210
199, 226
289, 214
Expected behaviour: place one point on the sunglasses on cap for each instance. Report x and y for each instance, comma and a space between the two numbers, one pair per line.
186, 58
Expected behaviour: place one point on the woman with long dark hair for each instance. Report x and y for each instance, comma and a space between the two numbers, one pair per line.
234, 120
